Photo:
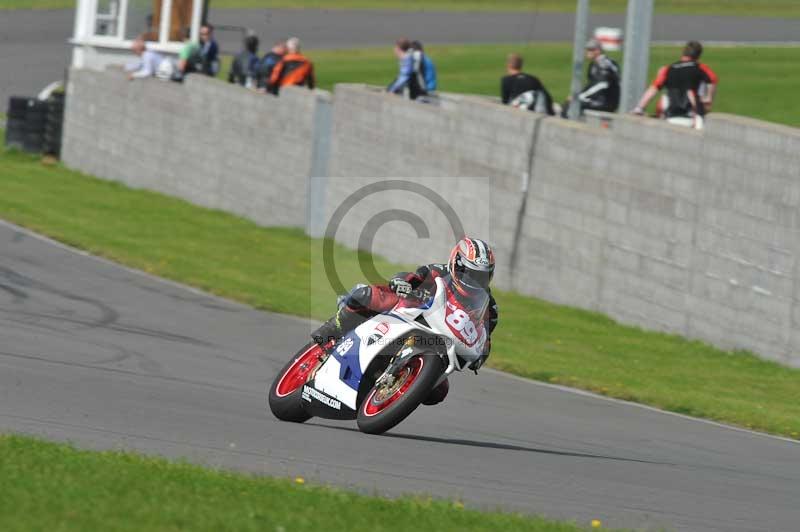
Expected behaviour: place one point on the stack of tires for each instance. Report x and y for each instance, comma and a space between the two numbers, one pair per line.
15, 121
34, 125
53, 123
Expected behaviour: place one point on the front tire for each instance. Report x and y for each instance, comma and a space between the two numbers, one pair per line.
285, 394
386, 406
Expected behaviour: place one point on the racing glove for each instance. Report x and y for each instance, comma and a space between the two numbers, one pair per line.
475, 366
401, 287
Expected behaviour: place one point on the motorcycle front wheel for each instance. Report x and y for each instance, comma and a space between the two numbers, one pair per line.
285, 394
391, 401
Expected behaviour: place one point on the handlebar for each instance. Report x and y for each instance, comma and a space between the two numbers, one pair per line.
420, 293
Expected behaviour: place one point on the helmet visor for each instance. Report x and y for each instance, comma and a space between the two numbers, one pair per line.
476, 278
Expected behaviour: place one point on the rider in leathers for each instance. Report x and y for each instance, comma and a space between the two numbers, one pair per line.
471, 266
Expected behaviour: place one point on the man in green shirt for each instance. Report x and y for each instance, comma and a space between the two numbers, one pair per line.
188, 55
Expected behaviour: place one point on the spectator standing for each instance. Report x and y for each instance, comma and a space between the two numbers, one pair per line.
209, 51
293, 69
424, 67
407, 81
601, 92
522, 90
690, 86
267, 64
147, 65
244, 69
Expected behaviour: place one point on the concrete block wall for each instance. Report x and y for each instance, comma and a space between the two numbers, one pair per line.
473, 153
210, 143
689, 232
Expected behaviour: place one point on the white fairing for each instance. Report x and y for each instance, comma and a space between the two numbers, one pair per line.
371, 337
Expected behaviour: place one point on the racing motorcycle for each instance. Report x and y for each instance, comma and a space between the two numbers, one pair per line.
382, 370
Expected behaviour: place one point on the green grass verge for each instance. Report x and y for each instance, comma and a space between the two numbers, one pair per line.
48, 486
275, 269
754, 81
761, 8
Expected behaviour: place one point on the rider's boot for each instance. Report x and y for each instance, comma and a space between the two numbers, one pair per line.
344, 320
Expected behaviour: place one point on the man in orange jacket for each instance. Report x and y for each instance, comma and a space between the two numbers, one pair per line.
294, 69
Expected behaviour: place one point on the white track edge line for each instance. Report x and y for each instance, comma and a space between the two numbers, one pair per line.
586, 393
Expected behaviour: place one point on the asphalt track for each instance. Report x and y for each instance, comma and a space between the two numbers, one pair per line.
111, 358
34, 49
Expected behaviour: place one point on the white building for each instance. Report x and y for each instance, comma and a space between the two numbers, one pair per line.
105, 29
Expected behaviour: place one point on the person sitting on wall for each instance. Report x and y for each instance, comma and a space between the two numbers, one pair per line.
244, 68
208, 62
293, 69
522, 90
149, 64
407, 82
188, 57
268, 63
424, 68
601, 92
690, 87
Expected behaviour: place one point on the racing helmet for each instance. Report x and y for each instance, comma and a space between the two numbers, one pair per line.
471, 265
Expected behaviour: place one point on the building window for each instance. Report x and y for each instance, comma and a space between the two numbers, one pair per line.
106, 20
142, 19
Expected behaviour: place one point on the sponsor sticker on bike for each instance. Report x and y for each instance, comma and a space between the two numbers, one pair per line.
312, 393
345, 346
382, 327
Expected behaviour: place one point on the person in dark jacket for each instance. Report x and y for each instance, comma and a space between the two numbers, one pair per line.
601, 92
268, 63
690, 85
522, 90
209, 51
244, 68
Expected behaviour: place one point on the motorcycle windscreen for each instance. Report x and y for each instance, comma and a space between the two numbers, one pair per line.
474, 301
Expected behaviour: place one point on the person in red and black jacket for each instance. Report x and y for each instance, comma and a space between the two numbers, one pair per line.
690, 85
293, 69
471, 267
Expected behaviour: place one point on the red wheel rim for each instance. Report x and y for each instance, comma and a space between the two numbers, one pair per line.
411, 370
298, 372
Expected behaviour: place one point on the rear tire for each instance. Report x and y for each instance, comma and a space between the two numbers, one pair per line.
378, 414
285, 394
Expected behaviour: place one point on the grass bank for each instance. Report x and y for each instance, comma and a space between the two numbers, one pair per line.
48, 486
754, 81
274, 269
753, 8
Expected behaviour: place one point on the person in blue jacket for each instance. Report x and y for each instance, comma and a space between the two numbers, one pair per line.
407, 83
424, 67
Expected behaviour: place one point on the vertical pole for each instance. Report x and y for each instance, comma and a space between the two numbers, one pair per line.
581, 25
166, 15
638, 26
123, 20
197, 18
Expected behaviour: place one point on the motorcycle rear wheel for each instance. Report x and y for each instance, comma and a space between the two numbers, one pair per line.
285, 394
386, 406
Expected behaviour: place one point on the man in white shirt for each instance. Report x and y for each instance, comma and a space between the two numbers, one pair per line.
148, 63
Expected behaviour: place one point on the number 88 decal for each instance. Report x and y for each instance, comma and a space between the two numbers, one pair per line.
460, 321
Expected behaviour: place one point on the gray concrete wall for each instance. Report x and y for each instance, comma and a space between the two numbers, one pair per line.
695, 233
210, 143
